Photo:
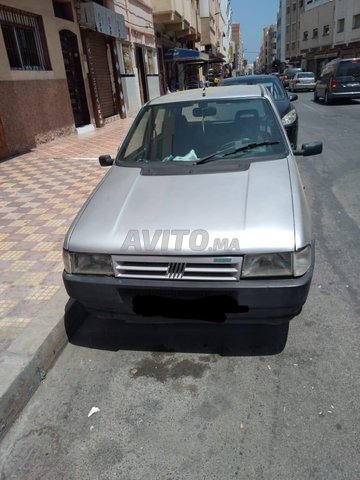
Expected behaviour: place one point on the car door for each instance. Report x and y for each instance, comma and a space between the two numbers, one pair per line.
322, 81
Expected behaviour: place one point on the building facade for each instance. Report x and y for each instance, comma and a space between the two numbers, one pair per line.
346, 38
293, 11
281, 31
316, 33
42, 89
72, 64
268, 49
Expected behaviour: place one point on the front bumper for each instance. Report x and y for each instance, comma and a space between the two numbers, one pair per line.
260, 301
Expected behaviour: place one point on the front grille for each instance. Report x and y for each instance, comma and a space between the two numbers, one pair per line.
177, 268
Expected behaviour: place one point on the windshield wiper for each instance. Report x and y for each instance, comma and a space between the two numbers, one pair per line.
249, 146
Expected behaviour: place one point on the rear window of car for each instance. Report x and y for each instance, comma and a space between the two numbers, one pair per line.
305, 75
292, 72
349, 69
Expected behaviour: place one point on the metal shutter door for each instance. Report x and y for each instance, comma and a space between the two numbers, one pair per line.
102, 73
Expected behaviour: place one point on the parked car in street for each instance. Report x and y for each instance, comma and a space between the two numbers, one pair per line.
302, 81
282, 100
339, 79
289, 74
203, 205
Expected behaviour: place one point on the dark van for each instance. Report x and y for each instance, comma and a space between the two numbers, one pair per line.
340, 78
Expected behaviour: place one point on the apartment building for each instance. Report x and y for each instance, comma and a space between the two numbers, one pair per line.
316, 34
268, 49
293, 11
178, 32
281, 31
346, 38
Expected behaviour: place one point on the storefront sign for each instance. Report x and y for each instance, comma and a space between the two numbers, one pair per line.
184, 55
102, 20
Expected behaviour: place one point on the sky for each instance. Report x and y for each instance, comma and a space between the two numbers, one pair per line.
253, 16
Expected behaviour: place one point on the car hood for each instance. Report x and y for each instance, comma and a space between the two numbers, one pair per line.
132, 213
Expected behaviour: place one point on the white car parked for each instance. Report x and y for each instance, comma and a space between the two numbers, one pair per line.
302, 81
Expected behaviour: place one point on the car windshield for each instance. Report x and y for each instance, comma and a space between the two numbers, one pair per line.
272, 84
183, 132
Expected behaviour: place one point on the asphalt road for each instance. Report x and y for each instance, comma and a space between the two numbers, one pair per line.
215, 402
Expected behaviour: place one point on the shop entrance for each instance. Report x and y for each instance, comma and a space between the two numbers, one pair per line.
75, 81
140, 63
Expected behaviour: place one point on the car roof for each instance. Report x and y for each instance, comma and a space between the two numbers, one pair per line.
214, 93
244, 78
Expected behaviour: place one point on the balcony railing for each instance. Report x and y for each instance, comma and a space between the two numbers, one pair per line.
176, 15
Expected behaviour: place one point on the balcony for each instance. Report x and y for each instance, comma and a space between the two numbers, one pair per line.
176, 16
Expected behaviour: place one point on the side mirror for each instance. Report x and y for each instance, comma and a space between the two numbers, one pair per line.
293, 97
106, 160
309, 149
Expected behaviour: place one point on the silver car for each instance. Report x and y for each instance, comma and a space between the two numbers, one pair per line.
302, 81
203, 207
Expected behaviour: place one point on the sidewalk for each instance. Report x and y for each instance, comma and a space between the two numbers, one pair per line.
40, 194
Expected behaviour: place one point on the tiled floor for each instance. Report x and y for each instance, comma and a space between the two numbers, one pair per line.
40, 194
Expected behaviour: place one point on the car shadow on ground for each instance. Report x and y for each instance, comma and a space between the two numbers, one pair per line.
183, 336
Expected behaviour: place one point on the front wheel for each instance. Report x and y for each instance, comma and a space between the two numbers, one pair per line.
327, 100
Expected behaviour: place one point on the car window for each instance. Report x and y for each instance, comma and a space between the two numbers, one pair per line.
305, 75
349, 69
187, 131
271, 84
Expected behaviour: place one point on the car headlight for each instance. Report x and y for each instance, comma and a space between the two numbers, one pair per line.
267, 265
87, 263
289, 118
277, 264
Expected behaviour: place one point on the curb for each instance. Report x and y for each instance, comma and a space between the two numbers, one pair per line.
24, 365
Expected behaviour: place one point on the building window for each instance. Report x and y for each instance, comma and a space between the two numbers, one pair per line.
294, 7
287, 10
293, 27
128, 66
301, 4
306, 35
24, 39
315, 33
340, 25
356, 21
326, 30
63, 9
287, 28
293, 45
287, 47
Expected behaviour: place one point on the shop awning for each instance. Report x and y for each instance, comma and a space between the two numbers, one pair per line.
185, 55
